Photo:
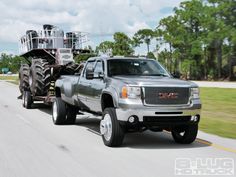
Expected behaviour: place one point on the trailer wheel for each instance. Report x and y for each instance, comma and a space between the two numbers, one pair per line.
110, 128
186, 134
24, 77
71, 113
40, 77
59, 111
27, 100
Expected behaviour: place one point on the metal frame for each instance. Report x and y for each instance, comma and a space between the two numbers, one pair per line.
51, 39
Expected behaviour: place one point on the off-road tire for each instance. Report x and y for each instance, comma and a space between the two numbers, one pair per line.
189, 135
117, 134
71, 112
72, 68
24, 77
59, 116
40, 77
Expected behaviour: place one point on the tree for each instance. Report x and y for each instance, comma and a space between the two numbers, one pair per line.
11, 62
105, 47
122, 45
143, 36
151, 55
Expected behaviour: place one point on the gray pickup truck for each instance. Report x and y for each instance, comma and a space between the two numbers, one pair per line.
130, 94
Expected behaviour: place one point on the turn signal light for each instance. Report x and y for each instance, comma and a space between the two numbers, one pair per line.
124, 92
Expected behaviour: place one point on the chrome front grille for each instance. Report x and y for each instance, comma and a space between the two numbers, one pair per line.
166, 95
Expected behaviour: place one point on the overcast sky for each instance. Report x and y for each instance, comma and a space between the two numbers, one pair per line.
96, 17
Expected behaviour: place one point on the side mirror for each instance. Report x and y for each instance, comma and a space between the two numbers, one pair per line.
176, 75
101, 75
89, 73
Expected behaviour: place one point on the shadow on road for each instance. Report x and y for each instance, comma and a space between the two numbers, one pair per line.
145, 140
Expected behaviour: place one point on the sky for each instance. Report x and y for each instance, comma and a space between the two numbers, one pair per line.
99, 18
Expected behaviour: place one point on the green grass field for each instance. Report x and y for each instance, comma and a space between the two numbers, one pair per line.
11, 79
6, 77
218, 111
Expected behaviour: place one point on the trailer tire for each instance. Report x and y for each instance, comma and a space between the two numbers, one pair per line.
24, 77
40, 77
110, 128
27, 100
189, 134
59, 112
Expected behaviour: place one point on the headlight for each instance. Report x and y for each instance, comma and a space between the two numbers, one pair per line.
195, 93
130, 92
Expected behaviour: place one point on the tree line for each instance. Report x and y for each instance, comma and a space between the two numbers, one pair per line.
198, 41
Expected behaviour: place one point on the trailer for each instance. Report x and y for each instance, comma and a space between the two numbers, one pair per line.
49, 53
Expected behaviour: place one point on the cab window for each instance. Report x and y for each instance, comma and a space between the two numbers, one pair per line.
89, 65
98, 68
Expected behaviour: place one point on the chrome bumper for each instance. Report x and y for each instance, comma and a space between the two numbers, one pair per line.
126, 110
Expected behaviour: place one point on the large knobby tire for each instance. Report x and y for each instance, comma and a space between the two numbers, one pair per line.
185, 134
24, 77
59, 112
40, 77
111, 130
72, 68
27, 100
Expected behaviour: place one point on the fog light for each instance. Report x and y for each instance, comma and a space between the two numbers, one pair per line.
131, 119
194, 118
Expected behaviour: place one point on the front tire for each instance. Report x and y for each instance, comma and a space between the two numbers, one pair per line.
185, 134
59, 112
110, 128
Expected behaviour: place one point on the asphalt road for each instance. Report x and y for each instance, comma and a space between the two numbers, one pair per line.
31, 146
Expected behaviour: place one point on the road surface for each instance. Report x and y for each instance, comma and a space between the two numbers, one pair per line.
31, 146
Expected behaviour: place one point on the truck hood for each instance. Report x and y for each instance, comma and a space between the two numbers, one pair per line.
154, 81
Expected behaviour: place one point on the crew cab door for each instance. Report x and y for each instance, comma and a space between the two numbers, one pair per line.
97, 86
85, 91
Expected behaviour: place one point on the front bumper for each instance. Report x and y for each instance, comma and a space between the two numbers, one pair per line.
142, 112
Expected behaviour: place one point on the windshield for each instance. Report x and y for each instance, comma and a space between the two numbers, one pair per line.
140, 67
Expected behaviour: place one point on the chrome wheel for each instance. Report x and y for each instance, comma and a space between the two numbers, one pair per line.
106, 127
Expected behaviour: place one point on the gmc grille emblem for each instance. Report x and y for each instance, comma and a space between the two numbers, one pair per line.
168, 95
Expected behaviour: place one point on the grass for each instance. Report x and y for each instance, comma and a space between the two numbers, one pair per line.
218, 111
6, 77
11, 79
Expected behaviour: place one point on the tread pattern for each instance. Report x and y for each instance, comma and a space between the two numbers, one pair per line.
41, 77
24, 77
72, 68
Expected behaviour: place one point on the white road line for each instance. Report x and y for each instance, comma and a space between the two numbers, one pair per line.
23, 119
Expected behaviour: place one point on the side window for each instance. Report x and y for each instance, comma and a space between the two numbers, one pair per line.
98, 68
89, 64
